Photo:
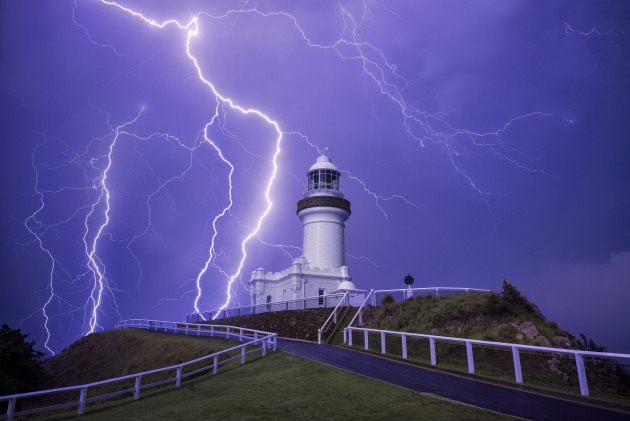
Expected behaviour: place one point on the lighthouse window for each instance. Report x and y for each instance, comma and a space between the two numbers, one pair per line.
323, 180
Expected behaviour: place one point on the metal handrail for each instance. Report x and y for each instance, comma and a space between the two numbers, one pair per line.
265, 305
578, 354
262, 338
333, 316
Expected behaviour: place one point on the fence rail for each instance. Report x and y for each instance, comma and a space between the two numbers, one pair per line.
515, 349
260, 340
319, 301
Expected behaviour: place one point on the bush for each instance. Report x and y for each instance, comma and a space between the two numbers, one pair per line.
387, 299
512, 295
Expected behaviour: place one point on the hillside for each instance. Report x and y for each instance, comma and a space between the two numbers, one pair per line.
296, 324
501, 317
116, 353
490, 316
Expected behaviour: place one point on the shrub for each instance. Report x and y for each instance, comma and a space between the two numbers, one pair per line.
387, 299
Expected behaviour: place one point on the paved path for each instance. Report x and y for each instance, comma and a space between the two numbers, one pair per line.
496, 398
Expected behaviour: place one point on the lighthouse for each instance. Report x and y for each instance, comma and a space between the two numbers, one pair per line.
321, 270
323, 212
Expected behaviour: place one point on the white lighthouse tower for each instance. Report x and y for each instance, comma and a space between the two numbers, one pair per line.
321, 269
323, 212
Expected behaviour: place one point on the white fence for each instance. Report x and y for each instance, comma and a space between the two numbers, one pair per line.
406, 293
257, 339
321, 301
515, 348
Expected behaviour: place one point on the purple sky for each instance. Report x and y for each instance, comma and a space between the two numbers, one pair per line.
491, 138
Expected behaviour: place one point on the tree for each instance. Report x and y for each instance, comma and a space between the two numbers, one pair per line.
20, 369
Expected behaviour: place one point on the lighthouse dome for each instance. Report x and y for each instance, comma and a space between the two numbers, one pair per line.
323, 163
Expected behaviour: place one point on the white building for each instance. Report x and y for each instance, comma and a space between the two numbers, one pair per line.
321, 270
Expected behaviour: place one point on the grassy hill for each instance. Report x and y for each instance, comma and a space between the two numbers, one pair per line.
279, 386
501, 317
117, 353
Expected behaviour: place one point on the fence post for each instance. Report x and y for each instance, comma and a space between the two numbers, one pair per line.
319, 336
255, 334
382, 342
198, 330
264, 347
211, 331
349, 336
136, 393
403, 338
178, 376
215, 364
373, 299
240, 334
82, 400
517, 365
11, 409
243, 352
335, 315
360, 318
579, 362
365, 339
432, 349
469, 353
275, 342
345, 336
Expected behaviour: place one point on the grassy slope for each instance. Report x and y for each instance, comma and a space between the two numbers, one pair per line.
120, 352
297, 324
507, 317
282, 386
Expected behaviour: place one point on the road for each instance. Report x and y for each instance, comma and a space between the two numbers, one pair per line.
505, 400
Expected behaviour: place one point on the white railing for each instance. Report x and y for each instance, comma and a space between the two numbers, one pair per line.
515, 348
318, 301
406, 293
332, 319
259, 339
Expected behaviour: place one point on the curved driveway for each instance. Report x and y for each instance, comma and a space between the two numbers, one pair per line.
496, 398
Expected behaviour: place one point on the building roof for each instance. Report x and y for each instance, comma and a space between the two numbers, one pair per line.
323, 163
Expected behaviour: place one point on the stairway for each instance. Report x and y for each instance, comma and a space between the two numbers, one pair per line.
336, 336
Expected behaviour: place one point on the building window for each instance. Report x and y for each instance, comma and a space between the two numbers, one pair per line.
321, 296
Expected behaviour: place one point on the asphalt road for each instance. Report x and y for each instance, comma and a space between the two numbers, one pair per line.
496, 398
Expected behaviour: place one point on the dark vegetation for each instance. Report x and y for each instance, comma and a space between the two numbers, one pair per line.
20, 369
500, 317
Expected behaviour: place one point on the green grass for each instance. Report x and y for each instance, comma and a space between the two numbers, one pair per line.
281, 386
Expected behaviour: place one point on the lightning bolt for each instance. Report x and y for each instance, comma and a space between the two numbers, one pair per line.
191, 28
568, 29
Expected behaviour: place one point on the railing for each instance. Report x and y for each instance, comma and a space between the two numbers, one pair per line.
332, 319
406, 293
515, 348
259, 339
320, 301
